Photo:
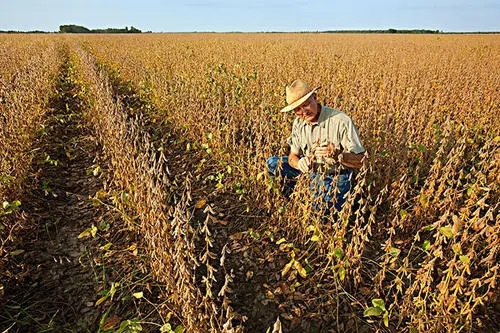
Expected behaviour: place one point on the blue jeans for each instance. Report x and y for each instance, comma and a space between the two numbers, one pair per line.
321, 185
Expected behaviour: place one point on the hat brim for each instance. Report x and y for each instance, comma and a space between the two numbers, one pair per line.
298, 102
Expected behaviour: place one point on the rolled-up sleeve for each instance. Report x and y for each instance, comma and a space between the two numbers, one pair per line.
293, 140
351, 140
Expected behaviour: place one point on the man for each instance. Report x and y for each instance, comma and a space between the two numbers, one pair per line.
324, 143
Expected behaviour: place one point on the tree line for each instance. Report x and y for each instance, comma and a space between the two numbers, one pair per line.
72, 28
387, 31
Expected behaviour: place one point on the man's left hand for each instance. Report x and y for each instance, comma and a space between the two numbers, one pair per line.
327, 150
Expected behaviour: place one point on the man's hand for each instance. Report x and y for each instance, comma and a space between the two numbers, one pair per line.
304, 164
327, 150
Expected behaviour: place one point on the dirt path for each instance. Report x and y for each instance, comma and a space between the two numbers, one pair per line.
57, 288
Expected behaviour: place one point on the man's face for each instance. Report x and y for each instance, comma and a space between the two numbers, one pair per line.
309, 110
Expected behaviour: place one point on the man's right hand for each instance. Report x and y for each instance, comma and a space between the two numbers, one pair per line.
304, 164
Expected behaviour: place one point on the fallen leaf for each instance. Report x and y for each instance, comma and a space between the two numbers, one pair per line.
365, 290
110, 322
201, 204
287, 267
301, 270
16, 252
298, 296
282, 240
236, 236
101, 300
277, 326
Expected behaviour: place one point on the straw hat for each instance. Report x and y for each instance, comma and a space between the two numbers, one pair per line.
297, 93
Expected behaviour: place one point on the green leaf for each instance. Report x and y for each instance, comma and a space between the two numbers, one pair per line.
270, 235
338, 253
85, 233
130, 326
421, 147
16, 252
166, 328
10, 207
253, 234
470, 190
101, 300
426, 245
311, 228
282, 240
379, 303
15, 204
403, 213
113, 290
93, 230
106, 246
429, 227
315, 238
394, 251
179, 329
424, 200
104, 317
373, 311
341, 272
138, 294
447, 231
386, 319
295, 285
465, 259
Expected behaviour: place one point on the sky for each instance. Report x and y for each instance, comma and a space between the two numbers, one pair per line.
252, 16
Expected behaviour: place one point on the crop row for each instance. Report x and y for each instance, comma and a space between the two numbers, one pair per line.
28, 79
425, 238
414, 248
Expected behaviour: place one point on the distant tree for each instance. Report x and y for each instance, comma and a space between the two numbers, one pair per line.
71, 28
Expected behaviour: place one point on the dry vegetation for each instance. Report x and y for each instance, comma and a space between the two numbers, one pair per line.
28, 73
186, 123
